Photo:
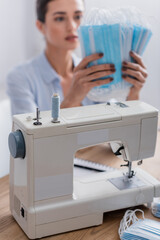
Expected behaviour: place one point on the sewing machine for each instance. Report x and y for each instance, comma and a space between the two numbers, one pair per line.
45, 196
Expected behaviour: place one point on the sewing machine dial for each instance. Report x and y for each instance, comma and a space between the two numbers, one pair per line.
17, 144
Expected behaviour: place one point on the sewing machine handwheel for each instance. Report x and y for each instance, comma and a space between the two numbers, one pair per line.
17, 144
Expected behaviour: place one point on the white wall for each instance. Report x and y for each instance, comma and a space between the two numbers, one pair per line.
5, 129
12, 34
17, 38
19, 41
151, 57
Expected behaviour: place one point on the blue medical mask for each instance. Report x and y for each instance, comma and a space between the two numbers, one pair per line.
133, 228
115, 40
106, 39
156, 207
85, 40
141, 37
146, 36
126, 41
101, 39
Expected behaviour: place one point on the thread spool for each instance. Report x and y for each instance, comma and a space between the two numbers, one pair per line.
55, 108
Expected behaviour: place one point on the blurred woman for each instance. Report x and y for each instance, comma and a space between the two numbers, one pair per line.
58, 70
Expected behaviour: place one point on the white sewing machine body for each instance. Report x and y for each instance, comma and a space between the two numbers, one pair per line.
46, 198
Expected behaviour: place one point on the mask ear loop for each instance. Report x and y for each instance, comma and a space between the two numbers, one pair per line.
128, 219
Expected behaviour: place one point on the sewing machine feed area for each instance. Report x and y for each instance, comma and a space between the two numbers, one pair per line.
45, 196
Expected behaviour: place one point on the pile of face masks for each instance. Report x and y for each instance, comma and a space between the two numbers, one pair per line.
138, 229
156, 207
114, 33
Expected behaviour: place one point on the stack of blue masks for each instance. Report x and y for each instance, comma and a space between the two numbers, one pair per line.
156, 207
141, 229
115, 36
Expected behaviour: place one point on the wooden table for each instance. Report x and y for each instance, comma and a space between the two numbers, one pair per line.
9, 229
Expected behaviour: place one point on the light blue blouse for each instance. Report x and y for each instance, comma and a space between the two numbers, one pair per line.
32, 85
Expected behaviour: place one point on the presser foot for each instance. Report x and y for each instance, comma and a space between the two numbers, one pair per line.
123, 182
130, 174
128, 180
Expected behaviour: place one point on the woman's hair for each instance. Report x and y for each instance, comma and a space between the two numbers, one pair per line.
41, 9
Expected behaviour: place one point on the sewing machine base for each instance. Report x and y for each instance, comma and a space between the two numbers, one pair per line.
93, 196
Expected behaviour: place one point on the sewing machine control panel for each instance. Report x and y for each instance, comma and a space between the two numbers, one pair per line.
88, 115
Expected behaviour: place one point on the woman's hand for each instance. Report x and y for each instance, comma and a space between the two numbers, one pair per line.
84, 79
136, 74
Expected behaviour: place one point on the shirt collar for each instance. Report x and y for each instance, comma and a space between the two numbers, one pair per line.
48, 72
